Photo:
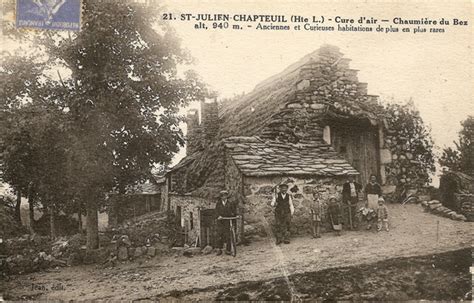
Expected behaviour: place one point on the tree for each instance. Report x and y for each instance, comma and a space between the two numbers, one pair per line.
32, 134
119, 89
35, 158
462, 157
17, 80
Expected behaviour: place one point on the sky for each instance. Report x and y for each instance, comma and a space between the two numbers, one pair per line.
434, 69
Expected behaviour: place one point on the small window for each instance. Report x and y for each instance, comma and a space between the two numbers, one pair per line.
191, 221
327, 134
342, 149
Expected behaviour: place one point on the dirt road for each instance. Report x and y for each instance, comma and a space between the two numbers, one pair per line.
413, 232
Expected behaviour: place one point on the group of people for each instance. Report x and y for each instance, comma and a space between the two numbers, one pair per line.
374, 209
282, 203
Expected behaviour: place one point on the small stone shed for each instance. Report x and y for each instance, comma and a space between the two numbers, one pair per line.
311, 126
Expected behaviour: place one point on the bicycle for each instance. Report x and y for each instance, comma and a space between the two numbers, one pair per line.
233, 238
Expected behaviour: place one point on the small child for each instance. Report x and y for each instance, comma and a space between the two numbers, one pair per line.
367, 214
315, 208
382, 215
335, 215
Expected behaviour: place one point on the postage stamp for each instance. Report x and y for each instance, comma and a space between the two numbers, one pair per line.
49, 14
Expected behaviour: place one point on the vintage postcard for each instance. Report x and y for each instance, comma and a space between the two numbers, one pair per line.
286, 150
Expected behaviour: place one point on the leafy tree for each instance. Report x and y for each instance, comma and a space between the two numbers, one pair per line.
32, 134
462, 157
35, 158
118, 91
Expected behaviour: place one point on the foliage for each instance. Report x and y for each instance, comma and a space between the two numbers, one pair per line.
462, 157
9, 227
414, 137
109, 115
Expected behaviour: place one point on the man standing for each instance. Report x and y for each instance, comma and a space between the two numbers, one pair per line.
224, 208
350, 197
284, 209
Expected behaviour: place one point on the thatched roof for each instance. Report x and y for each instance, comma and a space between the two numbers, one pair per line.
318, 88
201, 173
249, 114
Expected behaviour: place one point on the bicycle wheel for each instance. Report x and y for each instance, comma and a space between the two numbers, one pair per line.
233, 248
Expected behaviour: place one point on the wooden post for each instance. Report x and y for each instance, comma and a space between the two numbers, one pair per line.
18, 207
437, 230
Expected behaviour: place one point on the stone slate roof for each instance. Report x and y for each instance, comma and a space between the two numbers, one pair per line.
256, 157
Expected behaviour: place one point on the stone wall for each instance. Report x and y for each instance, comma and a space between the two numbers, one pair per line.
326, 84
190, 204
164, 195
210, 119
466, 201
193, 135
400, 166
258, 193
200, 134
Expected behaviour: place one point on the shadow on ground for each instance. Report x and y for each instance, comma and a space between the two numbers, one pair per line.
442, 276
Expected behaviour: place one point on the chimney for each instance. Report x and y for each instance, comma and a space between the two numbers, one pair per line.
193, 133
209, 119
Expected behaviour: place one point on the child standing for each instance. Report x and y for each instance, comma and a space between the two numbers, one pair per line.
382, 215
315, 208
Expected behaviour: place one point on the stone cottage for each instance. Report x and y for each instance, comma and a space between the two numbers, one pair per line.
310, 126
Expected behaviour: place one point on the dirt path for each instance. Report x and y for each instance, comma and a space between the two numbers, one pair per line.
434, 277
413, 232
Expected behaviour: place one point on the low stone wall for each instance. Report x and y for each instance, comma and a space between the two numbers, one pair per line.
258, 195
435, 207
466, 202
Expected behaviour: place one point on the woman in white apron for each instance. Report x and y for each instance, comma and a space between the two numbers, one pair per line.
373, 191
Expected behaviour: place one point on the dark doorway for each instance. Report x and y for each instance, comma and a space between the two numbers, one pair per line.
208, 227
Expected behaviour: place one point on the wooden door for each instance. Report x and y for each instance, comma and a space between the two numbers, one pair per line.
359, 145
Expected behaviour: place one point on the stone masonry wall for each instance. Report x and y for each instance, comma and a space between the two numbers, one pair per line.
193, 135
210, 119
326, 83
258, 195
466, 201
190, 204
164, 196
401, 167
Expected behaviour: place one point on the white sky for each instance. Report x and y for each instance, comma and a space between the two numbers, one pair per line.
434, 69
